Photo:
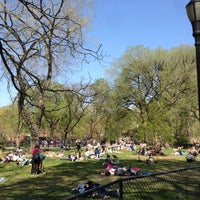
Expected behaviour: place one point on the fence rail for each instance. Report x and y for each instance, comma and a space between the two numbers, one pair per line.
177, 184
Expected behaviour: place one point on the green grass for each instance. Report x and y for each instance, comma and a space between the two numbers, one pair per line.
62, 175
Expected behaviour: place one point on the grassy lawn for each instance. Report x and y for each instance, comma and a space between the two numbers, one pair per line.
61, 176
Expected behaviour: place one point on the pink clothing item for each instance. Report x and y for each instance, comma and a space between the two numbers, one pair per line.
109, 166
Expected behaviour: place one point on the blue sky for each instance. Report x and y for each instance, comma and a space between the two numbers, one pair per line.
152, 23
122, 23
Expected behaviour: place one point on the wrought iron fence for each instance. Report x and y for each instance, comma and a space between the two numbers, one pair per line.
178, 184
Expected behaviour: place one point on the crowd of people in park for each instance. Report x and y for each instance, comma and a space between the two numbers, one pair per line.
17, 156
94, 150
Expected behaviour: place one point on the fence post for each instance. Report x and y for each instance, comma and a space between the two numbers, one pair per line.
120, 190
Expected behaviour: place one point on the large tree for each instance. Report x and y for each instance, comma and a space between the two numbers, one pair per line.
39, 41
153, 85
66, 108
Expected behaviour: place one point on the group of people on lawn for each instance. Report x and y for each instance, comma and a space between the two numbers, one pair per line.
111, 167
190, 156
94, 152
18, 156
110, 164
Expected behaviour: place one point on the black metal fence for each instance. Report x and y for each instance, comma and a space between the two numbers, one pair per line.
178, 184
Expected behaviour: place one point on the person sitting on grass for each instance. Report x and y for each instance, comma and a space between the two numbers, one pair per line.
150, 160
192, 155
180, 151
193, 151
69, 157
97, 152
79, 156
115, 160
108, 159
6, 158
109, 164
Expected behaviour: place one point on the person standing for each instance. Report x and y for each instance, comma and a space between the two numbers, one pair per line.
36, 160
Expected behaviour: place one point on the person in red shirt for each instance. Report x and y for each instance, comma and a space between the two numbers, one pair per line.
36, 160
37, 147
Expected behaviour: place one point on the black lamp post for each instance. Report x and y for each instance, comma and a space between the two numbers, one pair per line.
193, 12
